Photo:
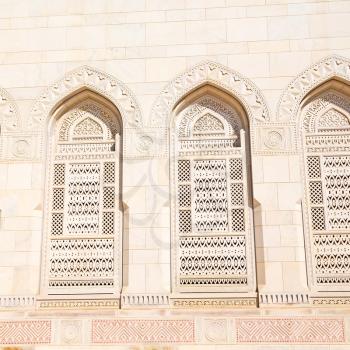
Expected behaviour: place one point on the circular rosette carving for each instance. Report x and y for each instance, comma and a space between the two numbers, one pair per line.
215, 330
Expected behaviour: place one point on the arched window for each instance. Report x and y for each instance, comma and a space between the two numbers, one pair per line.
83, 217
326, 151
212, 219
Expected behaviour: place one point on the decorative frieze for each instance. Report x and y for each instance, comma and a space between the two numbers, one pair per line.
200, 330
213, 302
142, 331
25, 332
76, 304
283, 298
330, 301
144, 300
17, 301
290, 330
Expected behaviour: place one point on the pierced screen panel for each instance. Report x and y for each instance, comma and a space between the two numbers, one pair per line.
210, 196
327, 169
84, 197
212, 227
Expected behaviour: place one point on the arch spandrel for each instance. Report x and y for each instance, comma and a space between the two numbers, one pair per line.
86, 78
9, 114
329, 68
210, 73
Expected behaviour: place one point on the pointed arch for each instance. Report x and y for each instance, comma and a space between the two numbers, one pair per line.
329, 68
83, 196
210, 73
89, 78
9, 115
211, 216
322, 118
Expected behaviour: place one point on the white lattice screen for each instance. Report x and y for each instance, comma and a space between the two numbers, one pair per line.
212, 225
83, 219
327, 153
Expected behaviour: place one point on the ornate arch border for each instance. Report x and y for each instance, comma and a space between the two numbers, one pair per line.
209, 72
10, 117
90, 78
333, 66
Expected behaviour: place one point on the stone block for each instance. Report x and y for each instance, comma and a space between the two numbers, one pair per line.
266, 194
170, 33
294, 276
276, 169
247, 29
206, 31
19, 176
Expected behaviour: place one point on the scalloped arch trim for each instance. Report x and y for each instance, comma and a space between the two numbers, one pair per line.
320, 72
220, 76
9, 115
90, 78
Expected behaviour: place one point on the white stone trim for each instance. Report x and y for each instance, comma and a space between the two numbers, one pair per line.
329, 67
86, 77
213, 73
140, 300
9, 115
283, 298
13, 301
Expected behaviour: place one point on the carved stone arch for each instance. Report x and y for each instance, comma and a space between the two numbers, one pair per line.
210, 195
210, 73
86, 123
330, 68
83, 222
325, 159
338, 117
208, 99
85, 102
91, 79
212, 120
332, 95
9, 115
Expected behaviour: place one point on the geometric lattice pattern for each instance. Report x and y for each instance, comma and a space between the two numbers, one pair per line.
142, 331
83, 199
332, 253
210, 196
336, 173
328, 188
25, 332
83, 218
218, 260
211, 199
280, 330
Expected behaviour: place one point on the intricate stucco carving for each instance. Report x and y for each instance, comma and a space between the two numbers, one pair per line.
9, 116
90, 78
290, 330
213, 302
318, 73
283, 298
211, 222
144, 300
218, 75
326, 137
83, 218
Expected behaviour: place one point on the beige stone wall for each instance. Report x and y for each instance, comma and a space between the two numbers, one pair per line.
146, 44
